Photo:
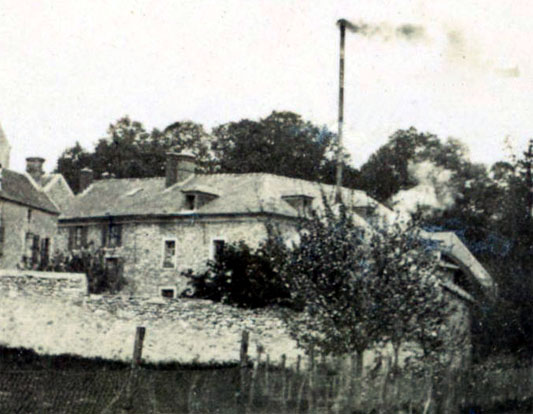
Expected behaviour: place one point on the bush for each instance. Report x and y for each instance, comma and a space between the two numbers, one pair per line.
243, 277
100, 278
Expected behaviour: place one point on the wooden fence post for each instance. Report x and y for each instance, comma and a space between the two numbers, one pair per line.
267, 373
311, 378
243, 367
138, 346
135, 362
283, 381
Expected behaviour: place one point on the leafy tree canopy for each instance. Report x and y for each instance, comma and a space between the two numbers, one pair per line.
128, 150
282, 143
357, 289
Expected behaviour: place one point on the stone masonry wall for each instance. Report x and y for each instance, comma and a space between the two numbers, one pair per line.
141, 252
16, 283
17, 223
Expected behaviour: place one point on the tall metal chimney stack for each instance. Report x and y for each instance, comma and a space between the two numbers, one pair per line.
342, 26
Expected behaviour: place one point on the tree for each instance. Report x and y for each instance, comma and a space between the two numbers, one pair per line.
357, 289
282, 143
507, 324
387, 170
129, 151
71, 162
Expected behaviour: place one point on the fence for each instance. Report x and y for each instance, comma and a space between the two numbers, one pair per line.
317, 385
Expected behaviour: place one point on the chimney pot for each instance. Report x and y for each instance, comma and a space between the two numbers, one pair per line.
86, 178
179, 167
34, 167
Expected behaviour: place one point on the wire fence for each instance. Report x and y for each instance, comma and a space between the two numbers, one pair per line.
261, 387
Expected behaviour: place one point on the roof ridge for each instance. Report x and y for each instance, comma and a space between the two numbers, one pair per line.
126, 178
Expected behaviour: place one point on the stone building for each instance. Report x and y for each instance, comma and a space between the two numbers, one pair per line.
155, 228
57, 189
28, 221
30, 205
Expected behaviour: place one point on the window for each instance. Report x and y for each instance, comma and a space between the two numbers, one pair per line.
35, 248
190, 201
168, 292
217, 249
112, 235
77, 237
169, 253
2, 233
300, 202
29, 215
45, 252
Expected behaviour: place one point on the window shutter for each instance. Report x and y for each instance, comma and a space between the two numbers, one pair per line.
1, 240
84, 232
105, 229
119, 234
71, 232
35, 250
45, 256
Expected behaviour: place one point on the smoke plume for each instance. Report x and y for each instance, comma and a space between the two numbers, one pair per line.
464, 50
433, 190
386, 31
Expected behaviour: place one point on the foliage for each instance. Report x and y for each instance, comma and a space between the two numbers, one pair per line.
92, 263
242, 276
491, 213
360, 288
130, 151
282, 143
71, 162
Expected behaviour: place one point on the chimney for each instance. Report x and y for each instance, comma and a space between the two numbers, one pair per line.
86, 178
179, 167
34, 167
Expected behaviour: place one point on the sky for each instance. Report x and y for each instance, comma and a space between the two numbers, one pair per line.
70, 68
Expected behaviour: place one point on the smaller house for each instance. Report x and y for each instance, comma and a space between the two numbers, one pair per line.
57, 189
28, 221
28, 214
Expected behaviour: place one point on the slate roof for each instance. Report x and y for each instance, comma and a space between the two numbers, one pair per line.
47, 179
239, 194
452, 246
18, 188
236, 194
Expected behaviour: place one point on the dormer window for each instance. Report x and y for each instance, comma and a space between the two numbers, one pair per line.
300, 202
190, 201
196, 197
365, 211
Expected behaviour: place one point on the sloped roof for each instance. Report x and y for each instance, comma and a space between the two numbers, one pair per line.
241, 194
454, 248
19, 188
47, 179
57, 189
236, 194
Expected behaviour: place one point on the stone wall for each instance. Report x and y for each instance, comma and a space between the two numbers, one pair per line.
18, 221
16, 283
141, 252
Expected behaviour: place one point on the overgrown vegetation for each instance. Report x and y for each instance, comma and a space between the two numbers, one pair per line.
100, 278
243, 276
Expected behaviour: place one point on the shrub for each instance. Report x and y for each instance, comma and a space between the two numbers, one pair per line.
100, 278
243, 276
